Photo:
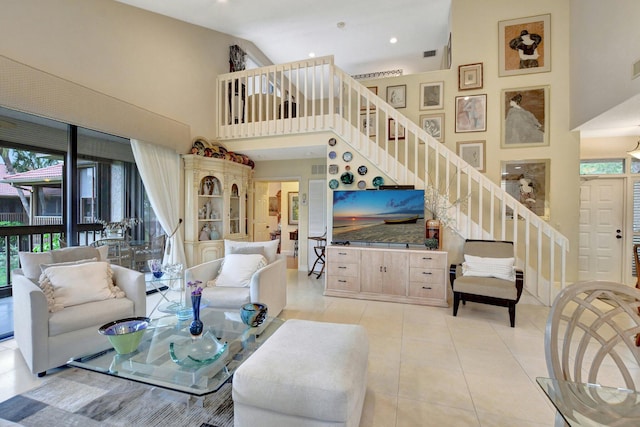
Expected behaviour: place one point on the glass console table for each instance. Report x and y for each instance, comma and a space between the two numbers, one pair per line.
591, 405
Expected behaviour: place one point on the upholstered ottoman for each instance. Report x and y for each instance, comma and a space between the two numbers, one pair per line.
307, 374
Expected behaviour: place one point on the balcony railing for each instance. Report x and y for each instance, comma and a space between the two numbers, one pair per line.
35, 238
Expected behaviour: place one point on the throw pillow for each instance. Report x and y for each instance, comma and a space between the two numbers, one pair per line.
500, 268
68, 285
30, 263
270, 248
237, 269
74, 253
43, 267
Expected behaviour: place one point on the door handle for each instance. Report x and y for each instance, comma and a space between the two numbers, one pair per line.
618, 235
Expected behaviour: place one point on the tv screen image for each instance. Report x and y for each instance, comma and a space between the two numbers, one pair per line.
379, 216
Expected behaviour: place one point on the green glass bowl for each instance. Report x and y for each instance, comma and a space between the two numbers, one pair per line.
125, 334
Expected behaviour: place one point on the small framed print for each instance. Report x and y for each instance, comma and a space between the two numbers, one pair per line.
397, 96
431, 96
393, 132
368, 124
470, 76
433, 124
528, 182
294, 208
473, 152
372, 106
471, 113
524, 45
525, 117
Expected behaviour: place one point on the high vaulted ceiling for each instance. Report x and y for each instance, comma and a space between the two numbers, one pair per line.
289, 30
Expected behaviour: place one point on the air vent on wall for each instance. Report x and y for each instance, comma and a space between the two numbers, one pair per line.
636, 69
429, 53
318, 169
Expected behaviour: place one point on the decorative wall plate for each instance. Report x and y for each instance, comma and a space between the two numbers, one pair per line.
362, 185
347, 156
333, 184
346, 178
378, 181
333, 169
332, 154
332, 141
362, 170
347, 168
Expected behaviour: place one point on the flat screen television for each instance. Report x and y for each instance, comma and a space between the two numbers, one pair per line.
378, 216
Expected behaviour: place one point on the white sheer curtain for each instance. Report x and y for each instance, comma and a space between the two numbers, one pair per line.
160, 170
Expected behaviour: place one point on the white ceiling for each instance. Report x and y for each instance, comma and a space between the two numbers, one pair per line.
288, 30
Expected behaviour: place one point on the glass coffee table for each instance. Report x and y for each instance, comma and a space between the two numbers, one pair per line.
151, 363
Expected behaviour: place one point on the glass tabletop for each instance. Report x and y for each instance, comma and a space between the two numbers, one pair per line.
151, 363
591, 405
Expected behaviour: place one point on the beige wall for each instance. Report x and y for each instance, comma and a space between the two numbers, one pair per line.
157, 63
605, 42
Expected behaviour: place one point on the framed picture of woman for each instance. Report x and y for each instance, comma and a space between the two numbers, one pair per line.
525, 117
471, 113
524, 45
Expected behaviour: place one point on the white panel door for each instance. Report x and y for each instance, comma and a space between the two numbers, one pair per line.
317, 217
261, 211
601, 225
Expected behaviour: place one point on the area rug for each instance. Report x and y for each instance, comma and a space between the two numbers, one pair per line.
76, 397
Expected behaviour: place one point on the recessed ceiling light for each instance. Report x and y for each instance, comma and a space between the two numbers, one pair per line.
393, 40
312, 55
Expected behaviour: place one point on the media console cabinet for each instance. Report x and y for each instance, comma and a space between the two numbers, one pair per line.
414, 276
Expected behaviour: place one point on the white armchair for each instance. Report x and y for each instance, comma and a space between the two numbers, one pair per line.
49, 339
267, 285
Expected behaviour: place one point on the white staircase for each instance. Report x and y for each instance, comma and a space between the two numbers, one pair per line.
327, 99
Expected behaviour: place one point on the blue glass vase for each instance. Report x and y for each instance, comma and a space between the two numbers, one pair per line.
196, 327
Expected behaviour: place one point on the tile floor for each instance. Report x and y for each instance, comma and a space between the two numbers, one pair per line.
426, 368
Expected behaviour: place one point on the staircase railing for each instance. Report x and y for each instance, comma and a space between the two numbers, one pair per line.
315, 95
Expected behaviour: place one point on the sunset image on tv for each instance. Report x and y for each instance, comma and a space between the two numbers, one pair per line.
379, 216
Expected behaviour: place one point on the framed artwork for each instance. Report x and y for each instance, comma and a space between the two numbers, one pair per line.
294, 208
363, 107
524, 117
471, 113
473, 152
368, 124
524, 45
397, 96
433, 124
528, 182
392, 130
274, 208
431, 96
470, 76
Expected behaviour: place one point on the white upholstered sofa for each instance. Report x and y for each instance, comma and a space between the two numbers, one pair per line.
241, 276
48, 337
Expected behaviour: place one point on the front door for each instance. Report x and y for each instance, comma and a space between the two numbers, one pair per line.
601, 225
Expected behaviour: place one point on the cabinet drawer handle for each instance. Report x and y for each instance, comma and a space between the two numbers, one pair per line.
427, 287
342, 253
427, 272
428, 258
342, 281
342, 266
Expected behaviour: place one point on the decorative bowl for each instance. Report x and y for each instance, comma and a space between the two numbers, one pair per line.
125, 334
253, 313
194, 353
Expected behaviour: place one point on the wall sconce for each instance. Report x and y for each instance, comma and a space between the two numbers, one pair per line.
636, 151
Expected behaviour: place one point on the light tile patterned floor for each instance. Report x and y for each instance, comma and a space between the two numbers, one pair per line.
426, 367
